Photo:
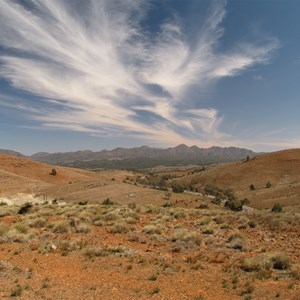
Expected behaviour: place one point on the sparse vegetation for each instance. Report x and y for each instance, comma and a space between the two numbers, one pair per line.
277, 208
234, 204
108, 202
280, 261
53, 172
268, 185
163, 238
177, 188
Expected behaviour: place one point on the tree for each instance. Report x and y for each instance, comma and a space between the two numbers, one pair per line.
235, 205
53, 172
252, 187
216, 200
177, 188
268, 185
277, 207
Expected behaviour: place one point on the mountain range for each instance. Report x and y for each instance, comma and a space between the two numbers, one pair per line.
141, 157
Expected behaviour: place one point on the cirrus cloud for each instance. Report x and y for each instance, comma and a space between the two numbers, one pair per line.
97, 70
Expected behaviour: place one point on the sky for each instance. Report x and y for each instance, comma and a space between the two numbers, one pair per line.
100, 74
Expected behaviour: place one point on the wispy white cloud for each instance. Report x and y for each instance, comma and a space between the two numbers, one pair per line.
98, 71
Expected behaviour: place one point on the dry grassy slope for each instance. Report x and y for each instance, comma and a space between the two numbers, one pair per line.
281, 168
40, 171
20, 177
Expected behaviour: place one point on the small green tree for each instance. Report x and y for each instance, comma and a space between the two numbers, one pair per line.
107, 202
268, 185
216, 200
235, 205
53, 172
252, 187
177, 188
277, 207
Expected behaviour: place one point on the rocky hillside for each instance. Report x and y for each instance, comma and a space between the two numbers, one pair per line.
275, 177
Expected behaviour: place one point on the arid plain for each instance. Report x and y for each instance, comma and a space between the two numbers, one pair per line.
118, 234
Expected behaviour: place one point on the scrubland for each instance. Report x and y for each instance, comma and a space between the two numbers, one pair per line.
132, 251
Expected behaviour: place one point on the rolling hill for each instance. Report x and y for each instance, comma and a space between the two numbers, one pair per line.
281, 169
22, 180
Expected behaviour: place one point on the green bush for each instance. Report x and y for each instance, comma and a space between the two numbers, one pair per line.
107, 202
61, 227
280, 261
277, 207
186, 235
235, 205
53, 172
176, 188
252, 187
268, 185
216, 200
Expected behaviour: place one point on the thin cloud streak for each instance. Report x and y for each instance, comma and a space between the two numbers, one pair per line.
100, 72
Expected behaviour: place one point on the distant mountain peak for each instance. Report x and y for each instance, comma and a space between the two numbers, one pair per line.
145, 155
11, 152
182, 147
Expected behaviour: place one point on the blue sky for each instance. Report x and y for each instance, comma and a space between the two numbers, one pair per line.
101, 74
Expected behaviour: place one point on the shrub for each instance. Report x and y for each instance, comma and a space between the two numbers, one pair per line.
280, 261
25, 208
252, 187
132, 205
16, 292
203, 206
119, 227
277, 207
211, 190
268, 185
180, 214
99, 223
204, 220
39, 222
61, 227
152, 229
208, 230
107, 202
106, 251
83, 228
156, 290
21, 228
111, 216
234, 205
237, 244
176, 188
256, 264
216, 200
252, 224
152, 278
236, 241
53, 172
186, 235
